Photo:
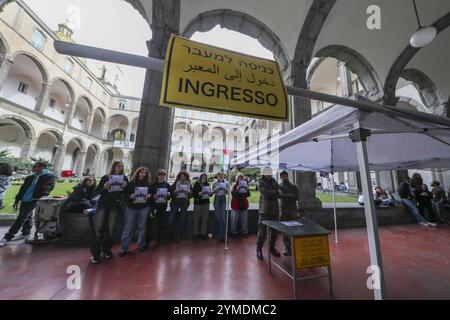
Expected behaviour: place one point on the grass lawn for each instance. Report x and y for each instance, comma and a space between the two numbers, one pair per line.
61, 189
324, 197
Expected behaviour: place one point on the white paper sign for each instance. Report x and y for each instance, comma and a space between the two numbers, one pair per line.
182, 191
115, 183
243, 186
206, 191
161, 195
140, 194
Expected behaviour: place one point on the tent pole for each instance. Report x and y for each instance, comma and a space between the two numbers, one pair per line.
228, 206
334, 209
369, 210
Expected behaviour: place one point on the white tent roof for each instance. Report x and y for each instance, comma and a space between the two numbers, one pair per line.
395, 143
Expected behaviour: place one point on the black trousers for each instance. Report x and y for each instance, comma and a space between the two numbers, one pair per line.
162, 220
103, 224
23, 220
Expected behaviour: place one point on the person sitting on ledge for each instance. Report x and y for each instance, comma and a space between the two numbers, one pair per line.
82, 197
404, 190
382, 197
37, 185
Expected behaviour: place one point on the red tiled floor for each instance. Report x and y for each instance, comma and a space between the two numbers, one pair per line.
416, 263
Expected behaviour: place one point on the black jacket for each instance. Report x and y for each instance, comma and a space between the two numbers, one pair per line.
81, 198
109, 199
198, 187
131, 188
404, 190
44, 185
268, 200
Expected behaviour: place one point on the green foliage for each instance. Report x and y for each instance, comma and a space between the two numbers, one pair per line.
45, 161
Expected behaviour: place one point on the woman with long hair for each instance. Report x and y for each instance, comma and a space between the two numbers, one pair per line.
82, 197
111, 189
202, 193
181, 194
138, 197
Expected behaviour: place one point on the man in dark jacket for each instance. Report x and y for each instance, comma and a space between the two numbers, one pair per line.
268, 210
288, 206
39, 184
405, 193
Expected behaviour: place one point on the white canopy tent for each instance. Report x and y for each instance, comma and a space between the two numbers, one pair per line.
335, 141
323, 144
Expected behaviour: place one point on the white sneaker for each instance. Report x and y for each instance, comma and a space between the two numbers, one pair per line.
424, 224
3, 242
432, 224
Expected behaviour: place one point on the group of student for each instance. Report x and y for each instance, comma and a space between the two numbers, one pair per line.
146, 201
420, 201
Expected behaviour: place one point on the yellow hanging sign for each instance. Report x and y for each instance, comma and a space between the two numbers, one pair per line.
311, 252
206, 78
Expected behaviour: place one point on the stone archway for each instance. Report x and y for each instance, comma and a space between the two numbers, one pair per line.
402, 61
428, 92
353, 61
242, 23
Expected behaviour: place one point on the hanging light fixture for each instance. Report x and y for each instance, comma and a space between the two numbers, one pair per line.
423, 35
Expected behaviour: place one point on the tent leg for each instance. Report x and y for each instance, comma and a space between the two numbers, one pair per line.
334, 209
371, 219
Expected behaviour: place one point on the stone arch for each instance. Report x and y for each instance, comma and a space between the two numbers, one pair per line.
402, 61
35, 59
428, 92
354, 61
23, 123
58, 135
67, 84
17, 134
88, 101
242, 23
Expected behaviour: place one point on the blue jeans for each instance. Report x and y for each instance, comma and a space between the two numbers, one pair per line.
220, 207
131, 215
412, 208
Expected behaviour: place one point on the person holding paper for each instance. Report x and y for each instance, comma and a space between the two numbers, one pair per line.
202, 193
288, 205
268, 210
160, 193
138, 205
220, 190
108, 207
239, 205
182, 192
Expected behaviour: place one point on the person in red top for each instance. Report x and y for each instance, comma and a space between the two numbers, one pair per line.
239, 205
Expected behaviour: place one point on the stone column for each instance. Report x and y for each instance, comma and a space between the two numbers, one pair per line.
105, 129
4, 70
345, 77
44, 98
28, 149
128, 133
89, 121
96, 165
301, 113
79, 167
59, 159
71, 113
155, 123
